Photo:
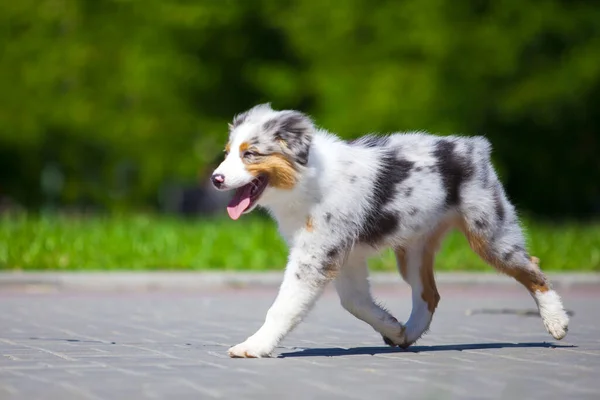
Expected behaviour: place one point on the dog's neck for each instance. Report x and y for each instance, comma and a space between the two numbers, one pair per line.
291, 207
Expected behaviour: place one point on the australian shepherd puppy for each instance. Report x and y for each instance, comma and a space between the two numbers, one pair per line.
337, 203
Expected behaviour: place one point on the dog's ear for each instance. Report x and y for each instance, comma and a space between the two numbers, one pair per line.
293, 130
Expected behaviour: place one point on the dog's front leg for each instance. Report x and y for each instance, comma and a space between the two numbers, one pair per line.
305, 277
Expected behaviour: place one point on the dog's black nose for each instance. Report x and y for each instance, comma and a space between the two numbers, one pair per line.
218, 180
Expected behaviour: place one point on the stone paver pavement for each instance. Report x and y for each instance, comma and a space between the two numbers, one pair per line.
483, 344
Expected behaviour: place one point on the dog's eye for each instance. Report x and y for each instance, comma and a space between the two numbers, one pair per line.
249, 153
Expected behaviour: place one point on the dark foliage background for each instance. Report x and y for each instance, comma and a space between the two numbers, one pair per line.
108, 103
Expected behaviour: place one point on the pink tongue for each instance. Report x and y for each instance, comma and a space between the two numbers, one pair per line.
240, 202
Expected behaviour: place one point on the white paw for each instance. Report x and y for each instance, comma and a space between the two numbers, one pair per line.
396, 337
250, 349
553, 314
556, 323
557, 327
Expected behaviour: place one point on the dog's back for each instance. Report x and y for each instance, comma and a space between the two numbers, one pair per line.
395, 187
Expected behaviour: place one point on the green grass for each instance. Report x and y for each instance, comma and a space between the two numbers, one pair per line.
161, 243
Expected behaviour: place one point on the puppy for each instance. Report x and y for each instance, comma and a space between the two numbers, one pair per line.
337, 203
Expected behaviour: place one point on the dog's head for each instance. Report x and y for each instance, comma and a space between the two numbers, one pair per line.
267, 149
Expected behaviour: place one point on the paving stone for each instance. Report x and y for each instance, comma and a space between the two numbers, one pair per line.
166, 344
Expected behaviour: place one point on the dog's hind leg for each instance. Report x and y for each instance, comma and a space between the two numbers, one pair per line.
353, 288
415, 264
491, 226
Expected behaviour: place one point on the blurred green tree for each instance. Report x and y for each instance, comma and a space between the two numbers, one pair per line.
121, 96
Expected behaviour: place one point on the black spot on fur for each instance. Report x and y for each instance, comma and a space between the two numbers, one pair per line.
408, 191
333, 253
454, 169
304, 270
388, 223
498, 206
302, 156
432, 168
418, 169
481, 224
514, 250
295, 130
292, 124
353, 178
379, 223
485, 174
470, 148
305, 267
413, 211
270, 124
401, 170
370, 141
328, 217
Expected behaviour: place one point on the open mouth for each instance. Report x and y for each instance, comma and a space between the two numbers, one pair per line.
246, 197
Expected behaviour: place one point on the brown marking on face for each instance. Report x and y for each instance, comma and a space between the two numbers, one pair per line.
309, 224
401, 260
244, 146
279, 170
531, 277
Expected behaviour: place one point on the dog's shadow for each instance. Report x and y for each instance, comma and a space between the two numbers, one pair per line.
356, 351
